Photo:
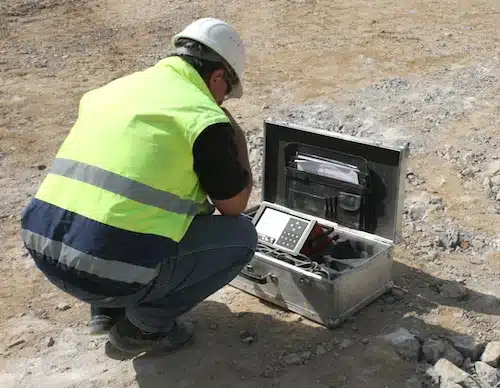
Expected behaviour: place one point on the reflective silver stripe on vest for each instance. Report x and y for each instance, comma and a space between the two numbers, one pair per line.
126, 187
108, 269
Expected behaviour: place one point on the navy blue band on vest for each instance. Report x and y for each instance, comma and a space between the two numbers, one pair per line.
88, 251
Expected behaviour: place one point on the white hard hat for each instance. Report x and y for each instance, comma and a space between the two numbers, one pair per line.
221, 38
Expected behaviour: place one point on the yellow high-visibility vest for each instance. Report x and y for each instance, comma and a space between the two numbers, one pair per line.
128, 160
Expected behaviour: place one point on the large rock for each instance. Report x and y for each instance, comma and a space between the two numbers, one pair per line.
468, 346
491, 354
450, 373
405, 343
433, 350
487, 374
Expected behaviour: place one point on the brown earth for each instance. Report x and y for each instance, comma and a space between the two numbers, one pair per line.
52, 51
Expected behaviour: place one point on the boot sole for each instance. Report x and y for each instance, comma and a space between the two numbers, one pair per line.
135, 347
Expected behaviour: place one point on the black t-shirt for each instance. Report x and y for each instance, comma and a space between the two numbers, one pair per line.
216, 162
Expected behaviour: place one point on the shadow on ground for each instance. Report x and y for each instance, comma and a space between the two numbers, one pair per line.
349, 356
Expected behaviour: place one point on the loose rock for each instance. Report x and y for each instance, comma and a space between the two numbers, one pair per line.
320, 350
468, 346
292, 359
450, 373
433, 350
246, 337
405, 343
63, 306
491, 354
50, 342
454, 291
449, 239
487, 374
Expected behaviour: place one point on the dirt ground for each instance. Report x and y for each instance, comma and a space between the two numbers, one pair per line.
341, 52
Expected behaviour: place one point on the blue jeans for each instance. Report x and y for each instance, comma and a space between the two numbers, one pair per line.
211, 254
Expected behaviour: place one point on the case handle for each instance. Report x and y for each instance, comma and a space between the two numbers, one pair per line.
261, 279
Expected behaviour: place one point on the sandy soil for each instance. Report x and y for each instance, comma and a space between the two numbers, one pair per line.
52, 51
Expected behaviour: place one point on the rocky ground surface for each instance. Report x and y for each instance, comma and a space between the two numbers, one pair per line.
396, 71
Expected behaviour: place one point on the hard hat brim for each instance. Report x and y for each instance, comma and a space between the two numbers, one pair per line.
236, 91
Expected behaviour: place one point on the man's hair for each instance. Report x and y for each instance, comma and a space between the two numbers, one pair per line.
203, 66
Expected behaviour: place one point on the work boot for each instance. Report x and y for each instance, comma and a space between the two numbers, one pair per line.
102, 319
128, 338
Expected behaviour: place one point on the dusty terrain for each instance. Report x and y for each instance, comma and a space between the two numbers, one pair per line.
426, 72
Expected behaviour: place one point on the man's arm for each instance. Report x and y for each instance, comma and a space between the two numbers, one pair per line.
241, 145
221, 163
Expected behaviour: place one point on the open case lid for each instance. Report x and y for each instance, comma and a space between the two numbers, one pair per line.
386, 168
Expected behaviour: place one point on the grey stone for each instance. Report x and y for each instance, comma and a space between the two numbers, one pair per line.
486, 183
63, 306
292, 359
449, 239
491, 354
487, 374
450, 373
454, 291
247, 337
417, 212
433, 350
435, 199
498, 196
405, 343
50, 342
468, 346
320, 350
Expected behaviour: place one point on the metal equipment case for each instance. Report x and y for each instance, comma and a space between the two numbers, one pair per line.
330, 302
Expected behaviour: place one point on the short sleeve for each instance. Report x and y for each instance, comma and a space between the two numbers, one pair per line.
216, 162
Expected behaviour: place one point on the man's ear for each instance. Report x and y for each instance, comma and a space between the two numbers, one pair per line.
216, 77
